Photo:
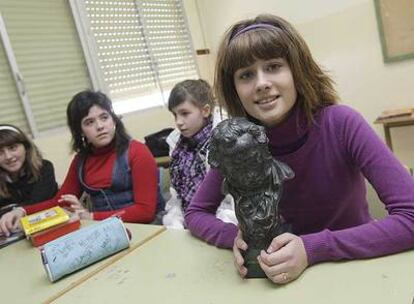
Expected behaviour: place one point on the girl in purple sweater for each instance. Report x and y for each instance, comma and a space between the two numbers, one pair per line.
266, 72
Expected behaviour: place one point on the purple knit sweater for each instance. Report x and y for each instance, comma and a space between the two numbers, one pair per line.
326, 201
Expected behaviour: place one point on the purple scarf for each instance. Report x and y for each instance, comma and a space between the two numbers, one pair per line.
188, 164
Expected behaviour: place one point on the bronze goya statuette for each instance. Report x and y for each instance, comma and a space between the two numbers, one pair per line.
239, 150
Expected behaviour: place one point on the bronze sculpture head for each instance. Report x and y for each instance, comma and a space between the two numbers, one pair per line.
239, 150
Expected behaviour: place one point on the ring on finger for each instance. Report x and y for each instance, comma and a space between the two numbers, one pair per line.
285, 276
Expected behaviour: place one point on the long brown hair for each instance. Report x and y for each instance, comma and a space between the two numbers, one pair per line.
10, 135
314, 87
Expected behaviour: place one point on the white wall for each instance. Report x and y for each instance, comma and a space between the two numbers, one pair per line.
198, 35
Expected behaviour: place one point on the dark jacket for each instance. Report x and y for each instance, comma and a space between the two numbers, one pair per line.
24, 192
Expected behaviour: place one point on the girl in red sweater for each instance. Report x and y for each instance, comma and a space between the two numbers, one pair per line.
119, 174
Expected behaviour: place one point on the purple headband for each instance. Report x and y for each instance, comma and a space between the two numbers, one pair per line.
251, 27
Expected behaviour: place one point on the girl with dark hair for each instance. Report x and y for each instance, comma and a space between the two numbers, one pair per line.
25, 178
118, 173
265, 72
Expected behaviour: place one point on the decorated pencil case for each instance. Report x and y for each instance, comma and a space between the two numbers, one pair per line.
83, 247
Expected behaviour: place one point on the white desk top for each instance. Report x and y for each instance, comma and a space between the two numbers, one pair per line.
174, 267
24, 280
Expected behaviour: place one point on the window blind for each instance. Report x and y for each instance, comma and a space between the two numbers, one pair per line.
11, 109
49, 55
142, 46
169, 41
121, 47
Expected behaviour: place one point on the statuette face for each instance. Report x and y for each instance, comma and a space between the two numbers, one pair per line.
239, 150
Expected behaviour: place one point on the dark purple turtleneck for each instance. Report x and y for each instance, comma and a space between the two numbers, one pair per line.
326, 201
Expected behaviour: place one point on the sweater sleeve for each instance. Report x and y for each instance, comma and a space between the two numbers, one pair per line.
200, 215
144, 184
394, 186
70, 186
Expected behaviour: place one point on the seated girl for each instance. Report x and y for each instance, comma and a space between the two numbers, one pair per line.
265, 72
25, 178
191, 102
119, 174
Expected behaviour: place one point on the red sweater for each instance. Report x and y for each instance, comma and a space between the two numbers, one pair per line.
98, 174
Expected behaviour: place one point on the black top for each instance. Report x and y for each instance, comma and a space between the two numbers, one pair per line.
25, 193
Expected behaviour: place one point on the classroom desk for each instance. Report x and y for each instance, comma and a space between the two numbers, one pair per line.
24, 280
393, 122
176, 268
